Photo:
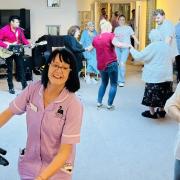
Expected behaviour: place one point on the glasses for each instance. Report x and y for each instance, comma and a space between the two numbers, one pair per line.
62, 68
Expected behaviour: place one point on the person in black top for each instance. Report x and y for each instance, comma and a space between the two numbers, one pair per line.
71, 42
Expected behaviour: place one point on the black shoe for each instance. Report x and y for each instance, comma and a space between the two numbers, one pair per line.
11, 91
24, 86
149, 115
37, 71
160, 114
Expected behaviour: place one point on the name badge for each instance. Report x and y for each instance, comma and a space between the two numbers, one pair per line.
33, 107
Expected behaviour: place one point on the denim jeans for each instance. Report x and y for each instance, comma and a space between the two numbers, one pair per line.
19, 70
111, 72
122, 55
177, 170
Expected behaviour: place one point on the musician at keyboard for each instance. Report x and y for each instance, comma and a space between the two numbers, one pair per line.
12, 34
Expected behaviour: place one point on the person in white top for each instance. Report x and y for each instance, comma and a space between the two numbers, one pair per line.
166, 28
123, 33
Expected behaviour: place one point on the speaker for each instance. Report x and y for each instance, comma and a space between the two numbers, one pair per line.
25, 22
28, 65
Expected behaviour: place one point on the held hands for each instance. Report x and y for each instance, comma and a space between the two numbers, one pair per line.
40, 178
89, 48
124, 45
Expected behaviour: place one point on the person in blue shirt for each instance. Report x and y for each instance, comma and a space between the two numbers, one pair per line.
166, 28
86, 41
177, 32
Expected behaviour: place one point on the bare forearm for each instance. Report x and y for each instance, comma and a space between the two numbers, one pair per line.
57, 163
5, 116
135, 39
174, 112
118, 44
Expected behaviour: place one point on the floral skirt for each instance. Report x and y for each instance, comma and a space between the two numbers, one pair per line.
156, 94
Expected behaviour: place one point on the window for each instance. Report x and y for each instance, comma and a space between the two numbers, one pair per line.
53, 29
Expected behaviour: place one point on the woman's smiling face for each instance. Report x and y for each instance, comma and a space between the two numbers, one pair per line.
58, 71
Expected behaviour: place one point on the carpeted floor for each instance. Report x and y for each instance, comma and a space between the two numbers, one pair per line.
115, 145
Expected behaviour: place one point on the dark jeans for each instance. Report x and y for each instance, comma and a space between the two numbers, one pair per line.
111, 72
177, 170
178, 67
19, 69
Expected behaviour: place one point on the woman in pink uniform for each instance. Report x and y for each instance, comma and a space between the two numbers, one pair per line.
54, 116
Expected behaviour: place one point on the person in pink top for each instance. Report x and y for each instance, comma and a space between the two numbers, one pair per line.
12, 34
107, 64
54, 117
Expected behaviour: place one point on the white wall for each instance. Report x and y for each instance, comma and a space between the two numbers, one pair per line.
41, 16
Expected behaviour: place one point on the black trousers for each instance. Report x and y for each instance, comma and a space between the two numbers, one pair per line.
19, 69
178, 67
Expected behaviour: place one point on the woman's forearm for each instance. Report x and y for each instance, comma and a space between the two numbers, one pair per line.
5, 116
57, 163
135, 39
174, 112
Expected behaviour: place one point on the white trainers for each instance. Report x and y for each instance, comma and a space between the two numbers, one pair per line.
93, 81
110, 107
121, 84
88, 80
99, 105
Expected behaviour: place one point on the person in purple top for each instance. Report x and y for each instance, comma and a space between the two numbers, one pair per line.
54, 117
12, 34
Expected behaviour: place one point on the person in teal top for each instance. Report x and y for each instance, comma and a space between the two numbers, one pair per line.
86, 41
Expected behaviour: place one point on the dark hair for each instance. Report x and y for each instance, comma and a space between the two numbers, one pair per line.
133, 11
159, 11
116, 13
72, 84
102, 9
12, 18
72, 30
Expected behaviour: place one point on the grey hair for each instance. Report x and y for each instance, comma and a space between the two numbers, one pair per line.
105, 25
90, 23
